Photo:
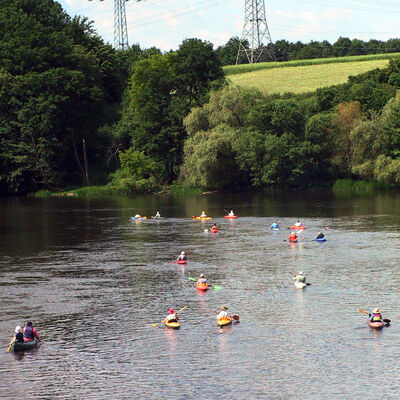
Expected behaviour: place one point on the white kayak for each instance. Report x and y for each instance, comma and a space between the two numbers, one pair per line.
300, 285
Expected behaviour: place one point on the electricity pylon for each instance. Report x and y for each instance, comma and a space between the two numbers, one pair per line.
255, 31
120, 26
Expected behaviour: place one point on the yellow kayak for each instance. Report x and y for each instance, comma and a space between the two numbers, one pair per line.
202, 218
224, 321
173, 325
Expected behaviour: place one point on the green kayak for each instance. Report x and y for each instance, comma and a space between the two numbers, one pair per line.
19, 346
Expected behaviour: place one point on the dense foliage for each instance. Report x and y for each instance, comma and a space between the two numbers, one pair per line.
286, 51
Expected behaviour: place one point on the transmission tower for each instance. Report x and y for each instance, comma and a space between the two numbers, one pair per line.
255, 31
120, 26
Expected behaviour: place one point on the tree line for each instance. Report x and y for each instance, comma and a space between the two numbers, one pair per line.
75, 111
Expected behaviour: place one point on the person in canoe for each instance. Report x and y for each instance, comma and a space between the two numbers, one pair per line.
320, 235
172, 316
231, 214
375, 316
19, 336
30, 332
299, 277
298, 223
223, 313
157, 216
293, 237
275, 225
203, 214
201, 280
182, 256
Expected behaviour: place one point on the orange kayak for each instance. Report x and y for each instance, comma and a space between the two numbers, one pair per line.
202, 286
224, 321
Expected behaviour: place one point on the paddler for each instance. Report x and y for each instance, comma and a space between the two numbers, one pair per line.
293, 237
223, 313
298, 223
203, 214
19, 336
30, 332
182, 256
299, 277
214, 227
138, 216
231, 214
172, 316
275, 225
157, 215
320, 235
375, 316
201, 280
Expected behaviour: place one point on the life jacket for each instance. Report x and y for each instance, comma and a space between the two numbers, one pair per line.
376, 317
19, 337
28, 333
293, 238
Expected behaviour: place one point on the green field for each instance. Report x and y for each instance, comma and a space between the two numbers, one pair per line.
302, 79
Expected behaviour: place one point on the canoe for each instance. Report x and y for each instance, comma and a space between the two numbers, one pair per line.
182, 262
230, 216
138, 219
202, 286
202, 218
300, 285
301, 227
213, 230
173, 325
320, 240
376, 325
224, 321
17, 346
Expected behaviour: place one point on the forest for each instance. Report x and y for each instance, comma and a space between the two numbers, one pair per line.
75, 112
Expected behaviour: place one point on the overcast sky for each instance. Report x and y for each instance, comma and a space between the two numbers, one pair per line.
165, 23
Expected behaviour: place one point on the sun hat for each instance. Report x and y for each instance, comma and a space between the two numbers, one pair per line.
17, 329
224, 308
376, 310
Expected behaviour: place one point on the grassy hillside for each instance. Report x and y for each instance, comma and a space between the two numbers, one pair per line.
302, 79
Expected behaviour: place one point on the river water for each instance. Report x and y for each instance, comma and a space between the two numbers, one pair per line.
93, 283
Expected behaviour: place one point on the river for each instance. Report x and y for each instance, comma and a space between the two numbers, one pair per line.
93, 282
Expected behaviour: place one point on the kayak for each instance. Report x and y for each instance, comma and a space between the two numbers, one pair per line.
293, 240
202, 218
301, 227
376, 325
17, 346
300, 285
138, 219
158, 217
320, 240
224, 321
213, 230
230, 216
173, 325
202, 286
181, 261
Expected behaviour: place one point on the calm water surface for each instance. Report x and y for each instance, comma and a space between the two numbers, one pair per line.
94, 282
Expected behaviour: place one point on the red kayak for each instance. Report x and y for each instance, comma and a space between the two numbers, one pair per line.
202, 286
301, 227
182, 261
230, 216
376, 325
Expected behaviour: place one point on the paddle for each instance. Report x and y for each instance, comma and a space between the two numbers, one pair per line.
11, 343
385, 320
209, 284
161, 322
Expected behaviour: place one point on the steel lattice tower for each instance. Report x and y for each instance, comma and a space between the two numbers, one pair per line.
255, 31
120, 25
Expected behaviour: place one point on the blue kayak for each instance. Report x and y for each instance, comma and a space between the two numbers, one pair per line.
321, 240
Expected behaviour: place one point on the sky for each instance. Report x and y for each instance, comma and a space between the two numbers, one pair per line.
166, 23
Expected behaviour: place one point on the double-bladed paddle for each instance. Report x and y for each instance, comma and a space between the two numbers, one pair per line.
385, 320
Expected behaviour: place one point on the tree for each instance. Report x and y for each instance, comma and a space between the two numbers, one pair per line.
341, 47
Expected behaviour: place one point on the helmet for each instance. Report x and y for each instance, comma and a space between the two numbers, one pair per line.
201, 275
171, 310
182, 253
300, 272
17, 329
376, 310
224, 308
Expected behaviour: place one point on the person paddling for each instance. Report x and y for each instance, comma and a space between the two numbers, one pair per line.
203, 214
275, 225
320, 235
293, 237
231, 214
298, 223
182, 257
375, 316
30, 332
299, 277
223, 313
201, 280
19, 336
138, 216
214, 227
172, 316
157, 215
